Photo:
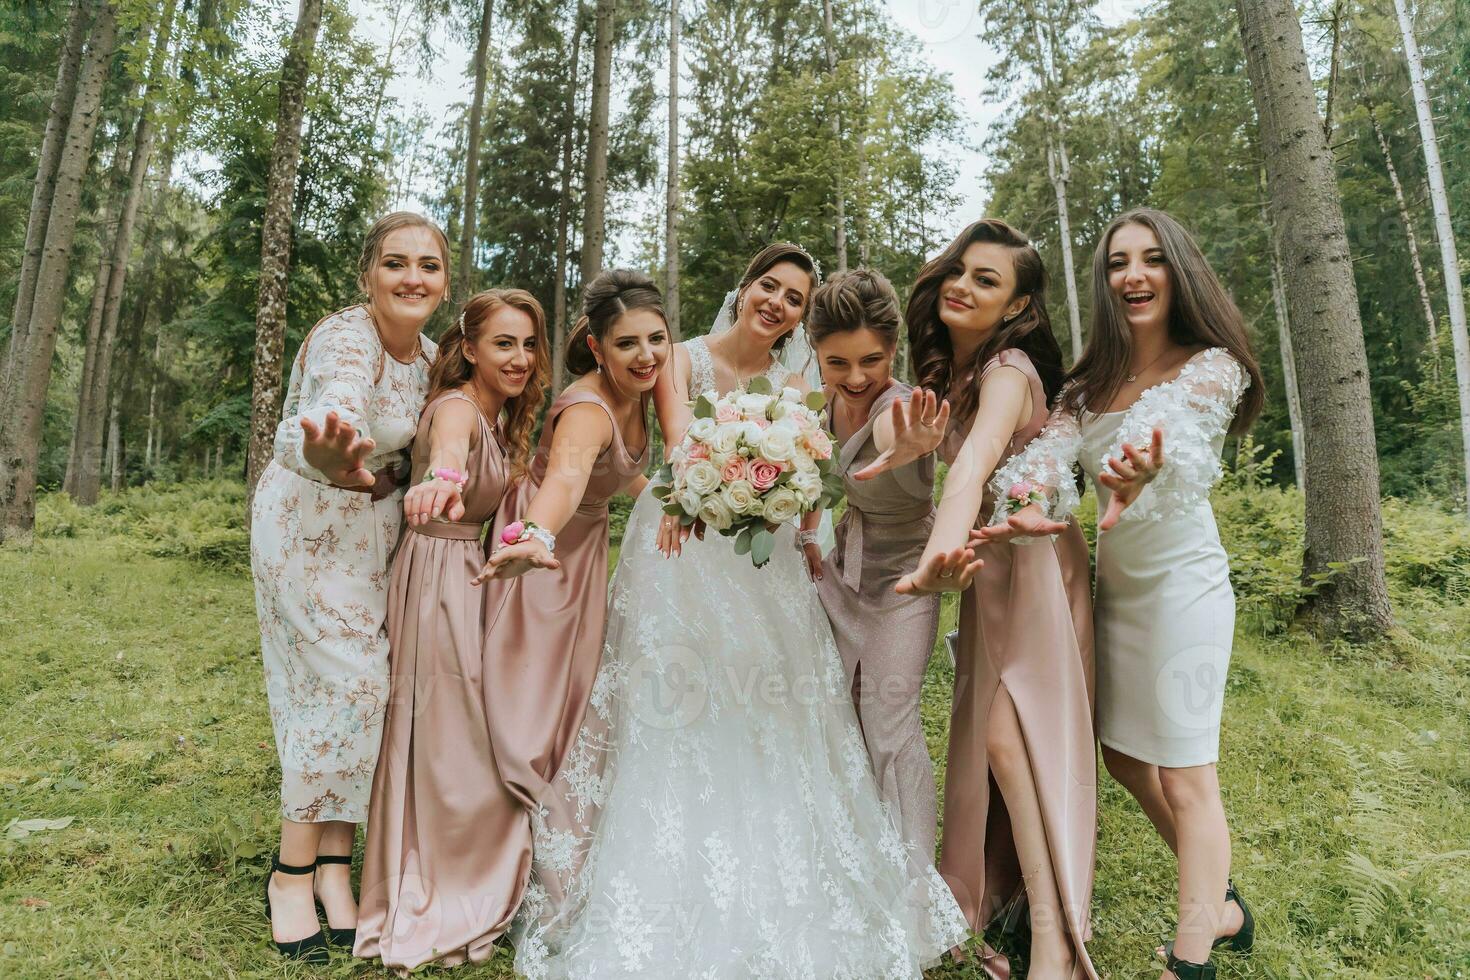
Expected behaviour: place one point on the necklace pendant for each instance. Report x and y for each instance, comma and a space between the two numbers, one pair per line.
1132, 378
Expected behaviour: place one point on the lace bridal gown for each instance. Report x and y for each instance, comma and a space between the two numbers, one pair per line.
717, 817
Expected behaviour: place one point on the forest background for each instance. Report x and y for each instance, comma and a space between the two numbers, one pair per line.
185, 184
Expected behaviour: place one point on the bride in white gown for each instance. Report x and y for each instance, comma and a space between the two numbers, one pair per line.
717, 817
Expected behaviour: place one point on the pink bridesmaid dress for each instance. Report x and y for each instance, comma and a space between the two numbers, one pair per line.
544, 631
435, 884
1025, 624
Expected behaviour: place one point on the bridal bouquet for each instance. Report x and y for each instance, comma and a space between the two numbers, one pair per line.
750, 460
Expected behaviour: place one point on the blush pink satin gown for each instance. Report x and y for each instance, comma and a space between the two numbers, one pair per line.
436, 885
1025, 624
544, 631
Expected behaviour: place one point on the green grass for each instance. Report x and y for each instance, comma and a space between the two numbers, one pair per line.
133, 704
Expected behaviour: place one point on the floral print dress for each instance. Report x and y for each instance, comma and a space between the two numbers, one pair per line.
320, 558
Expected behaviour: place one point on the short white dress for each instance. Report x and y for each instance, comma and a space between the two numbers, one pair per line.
1164, 611
320, 557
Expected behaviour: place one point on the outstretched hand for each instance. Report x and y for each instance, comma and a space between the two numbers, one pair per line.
338, 452
918, 429
1028, 522
947, 571
1127, 477
426, 501
514, 560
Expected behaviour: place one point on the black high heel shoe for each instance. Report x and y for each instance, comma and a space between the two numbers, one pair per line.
1242, 940
312, 949
337, 937
1187, 970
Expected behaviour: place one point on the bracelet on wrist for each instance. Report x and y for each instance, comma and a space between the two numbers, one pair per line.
518, 531
448, 475
805, 537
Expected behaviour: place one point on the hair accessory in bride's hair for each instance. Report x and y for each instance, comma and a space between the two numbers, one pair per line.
460, 322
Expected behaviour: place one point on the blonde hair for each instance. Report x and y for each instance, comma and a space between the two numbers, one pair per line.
372, 245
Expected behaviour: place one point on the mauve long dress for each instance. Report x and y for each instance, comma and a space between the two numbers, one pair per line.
544, 630
885, 638
436, 885
1025, 623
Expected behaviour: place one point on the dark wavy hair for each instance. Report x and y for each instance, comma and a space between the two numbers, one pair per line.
1200, 312
851, 301
766, 259
451, 369
1028, 331
605, 299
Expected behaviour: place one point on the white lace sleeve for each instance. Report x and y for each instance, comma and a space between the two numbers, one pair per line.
1048, 462
337, 376
1195, 411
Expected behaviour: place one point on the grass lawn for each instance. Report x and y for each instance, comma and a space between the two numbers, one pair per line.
133, 708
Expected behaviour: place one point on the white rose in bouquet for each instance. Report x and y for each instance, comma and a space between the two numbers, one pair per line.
716, 513
790, 394
753, 406
808, 483
777, 444
701, 429
688, 500
740, 497
750, 433
726, 438
702, 477
781, 505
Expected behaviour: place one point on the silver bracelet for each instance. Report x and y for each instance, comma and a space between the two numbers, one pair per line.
805, 537
544, 536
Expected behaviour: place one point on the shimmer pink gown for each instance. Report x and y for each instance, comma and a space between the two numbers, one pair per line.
436, 884
544, 631
885, 638
1026, 625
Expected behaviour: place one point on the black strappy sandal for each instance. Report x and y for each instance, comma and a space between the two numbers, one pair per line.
1186, 970
1243, 940
337, 937
312, 949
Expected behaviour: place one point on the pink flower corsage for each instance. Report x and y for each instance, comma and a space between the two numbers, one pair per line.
517, 531
1023, 495
448, 475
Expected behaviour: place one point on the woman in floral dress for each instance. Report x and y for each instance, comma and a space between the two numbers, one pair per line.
324, 520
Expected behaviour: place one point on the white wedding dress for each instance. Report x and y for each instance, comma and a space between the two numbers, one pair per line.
717, 817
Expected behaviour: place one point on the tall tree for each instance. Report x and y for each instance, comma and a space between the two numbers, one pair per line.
839, 204
1344, 535
564, 208
20, 440
594, 220
671, 206
464, 279
44, 190
275, 242
84, 465
1443, 226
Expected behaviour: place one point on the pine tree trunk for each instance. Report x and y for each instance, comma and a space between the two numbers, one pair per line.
839, 206
84, 470
1059, 171
1443, 226
594, 221
671, 207
44, 190
564, 212
26, 404
1288, 370
1344, 536
1413, 239
464, 285
275, 244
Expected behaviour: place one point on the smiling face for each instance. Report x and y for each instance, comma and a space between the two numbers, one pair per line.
977, 293
1138, 274
856, 363
504, 352
408, 279
774, 302
633, 351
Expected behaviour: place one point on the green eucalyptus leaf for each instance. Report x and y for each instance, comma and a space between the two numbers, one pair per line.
759, 386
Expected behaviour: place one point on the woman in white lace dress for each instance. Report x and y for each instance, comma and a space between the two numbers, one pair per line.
1168, 360
324, 521
717, 817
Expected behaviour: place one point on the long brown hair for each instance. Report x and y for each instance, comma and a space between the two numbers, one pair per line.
606, 298
452, 370
1028, 331
851, 301
768, 258
1200, 312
